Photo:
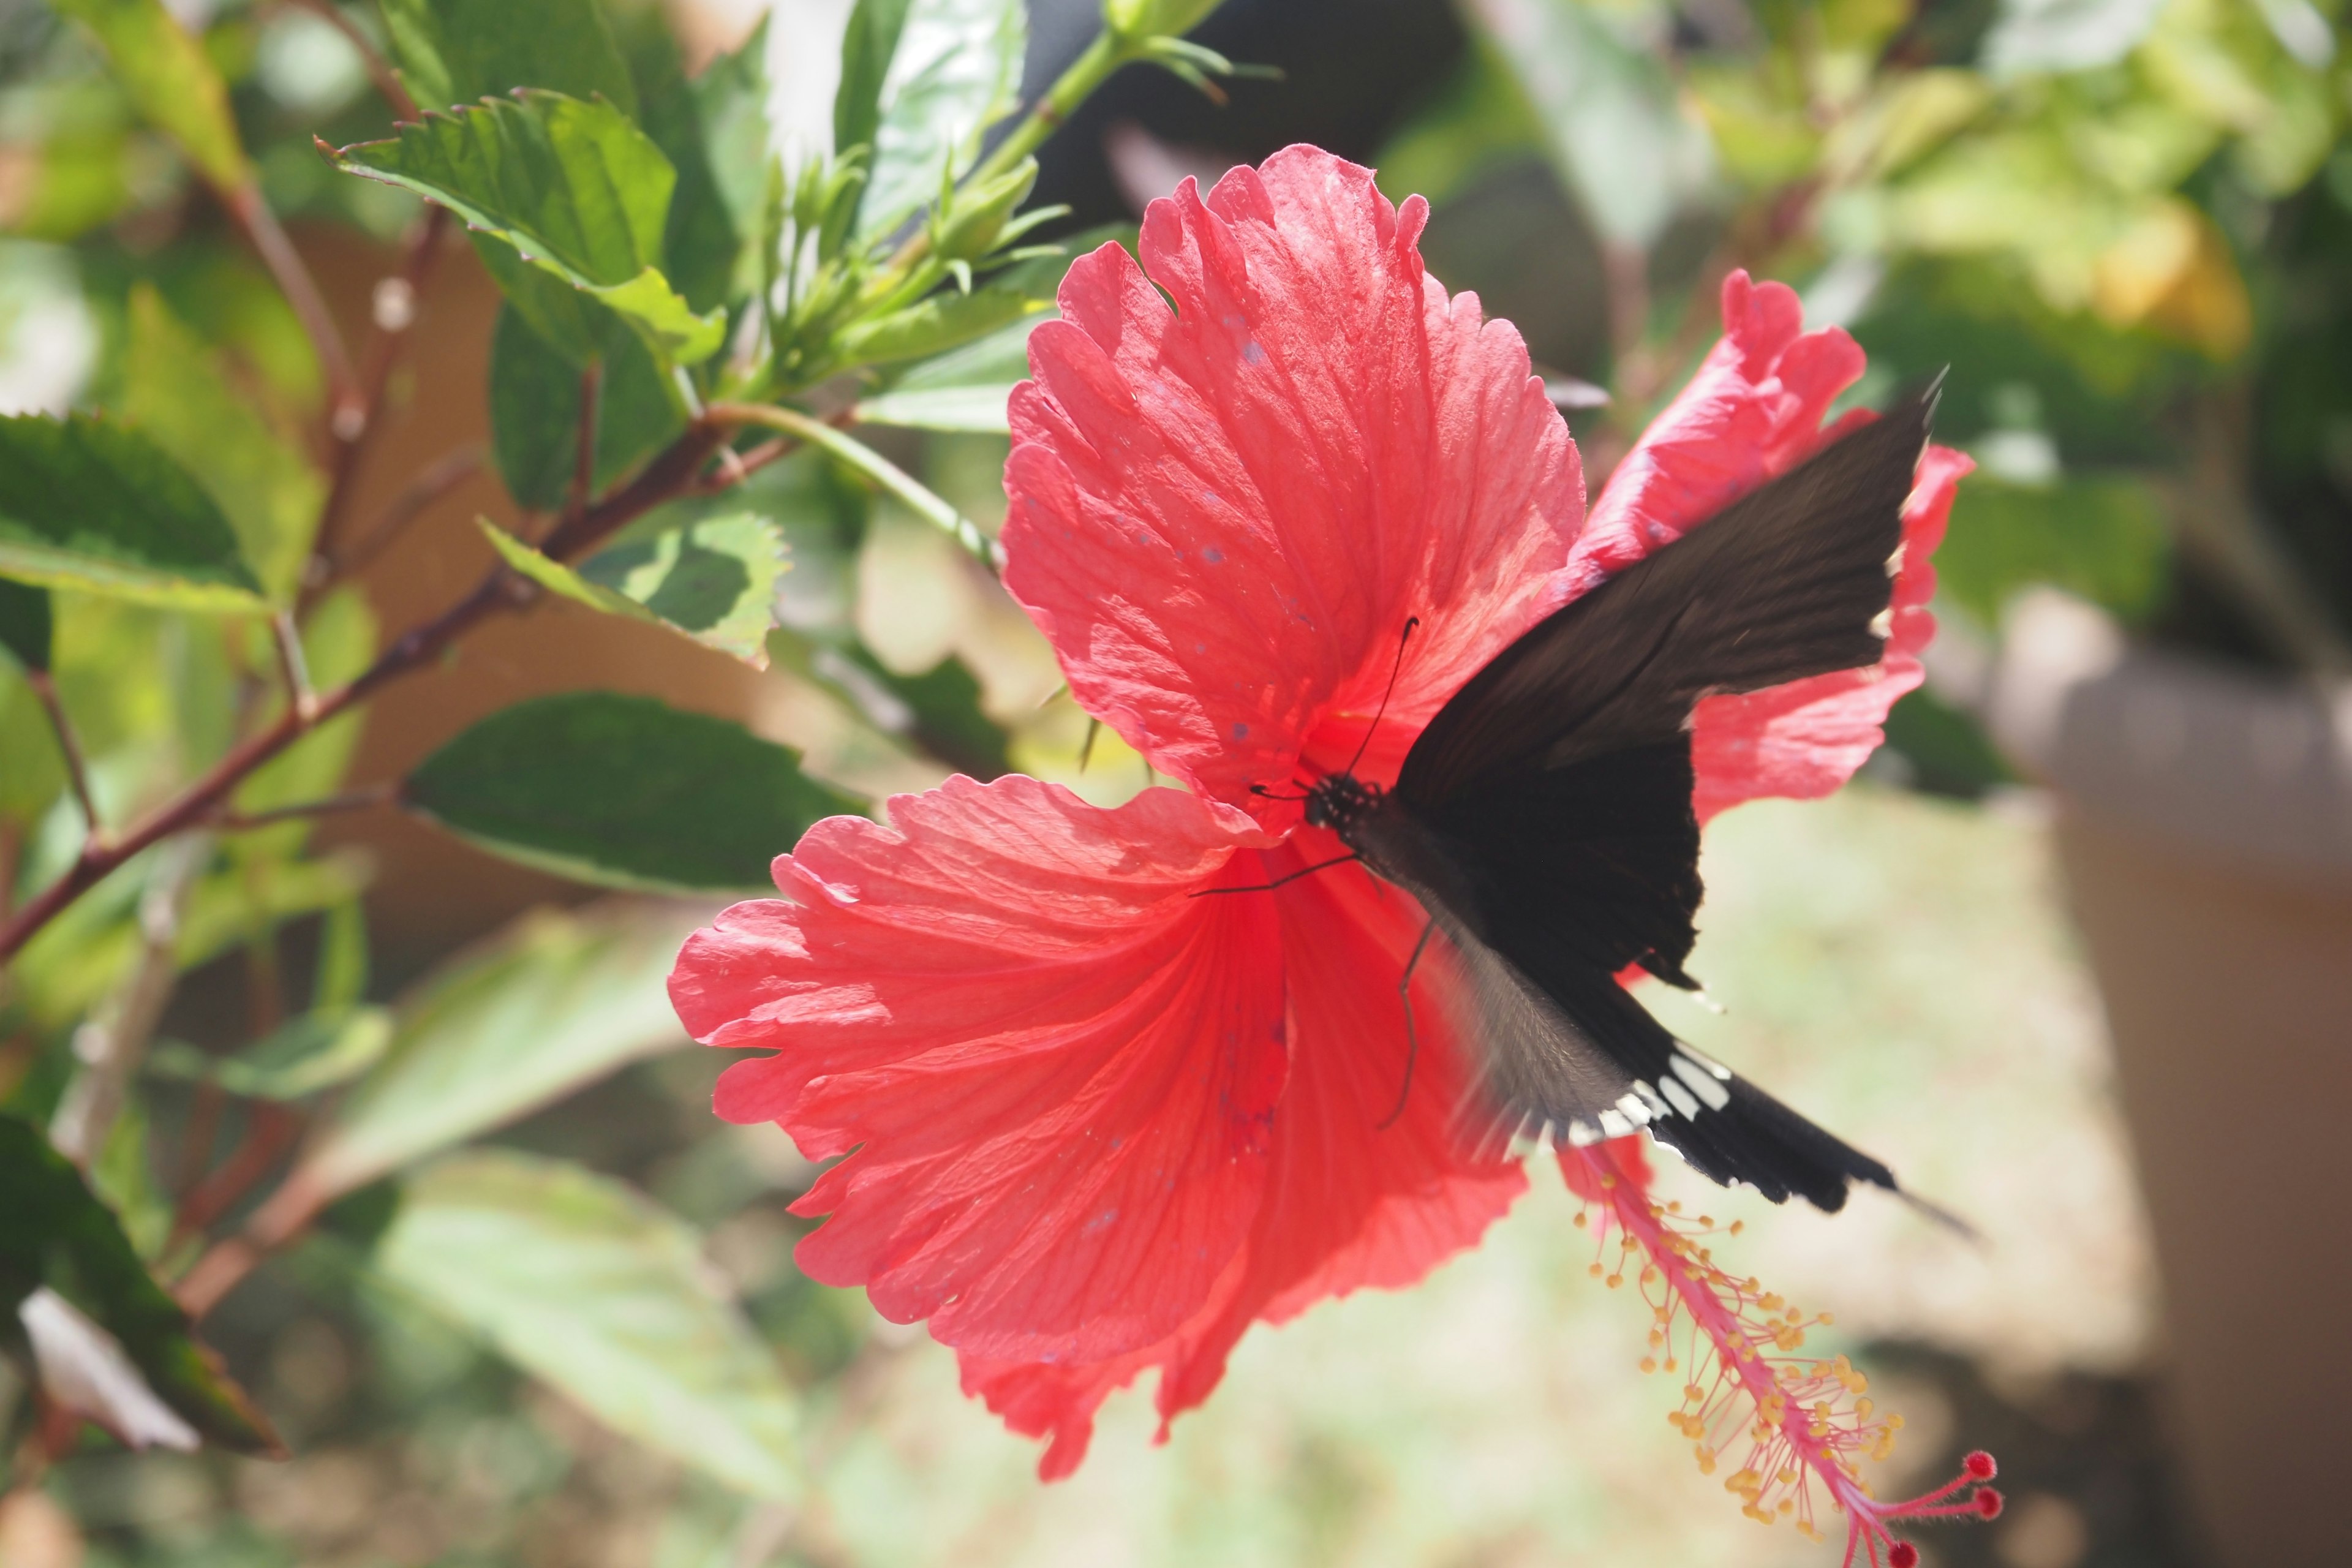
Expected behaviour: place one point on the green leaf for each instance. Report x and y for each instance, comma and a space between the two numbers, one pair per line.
557, 1000
168, 75
1614, 121
535, 408
56, 1235
713, 578
867, 44
701, 126
265, 486
945, 321
459, 51
2104, 538
87, 503
955, 72
584, 1281
319, 1050
571, 185
28, 630
623, 790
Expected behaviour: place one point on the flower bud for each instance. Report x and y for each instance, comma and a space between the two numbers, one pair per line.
980, 213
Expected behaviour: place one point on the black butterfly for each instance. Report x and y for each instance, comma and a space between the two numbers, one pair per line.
1544, 821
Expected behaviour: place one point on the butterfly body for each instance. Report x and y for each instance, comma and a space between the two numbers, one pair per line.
1544, 817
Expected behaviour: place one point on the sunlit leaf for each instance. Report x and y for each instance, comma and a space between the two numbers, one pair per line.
1610, 111
87, 503
572, 186
956, 70
458, 51
622, 791
64, 1256
168, 75
2065, 35
588, 1284
948, 319
867, 44
555, 1001
713, 579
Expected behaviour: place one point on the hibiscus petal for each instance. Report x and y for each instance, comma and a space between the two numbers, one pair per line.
1348, 1202
1754, 409
1223, 515
1058, 1071
1807, 738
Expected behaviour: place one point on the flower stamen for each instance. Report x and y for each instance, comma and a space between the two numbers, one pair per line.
1801, 1420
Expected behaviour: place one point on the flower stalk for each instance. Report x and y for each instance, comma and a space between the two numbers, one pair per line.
1793, 1421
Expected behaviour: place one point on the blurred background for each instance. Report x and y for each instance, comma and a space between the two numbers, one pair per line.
2075, 954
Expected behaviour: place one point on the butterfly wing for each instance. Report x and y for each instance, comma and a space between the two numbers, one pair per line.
1789, 581
1555, 788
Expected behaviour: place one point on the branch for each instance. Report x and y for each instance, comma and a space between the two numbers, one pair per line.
670, 474
387, 83
445, 474
931, 507
346, 405
45, 686
111, 1044
395, 313
292, 665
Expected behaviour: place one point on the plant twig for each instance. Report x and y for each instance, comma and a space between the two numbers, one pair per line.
111, 1043
445, 474
270, 1134
45, 686
395, 309
670, 474
387, 83
292, 665
346, 404
583, 455
933, 507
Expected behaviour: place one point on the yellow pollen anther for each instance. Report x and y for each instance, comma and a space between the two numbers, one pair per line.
1615, 1280
1737, 1225
1649, 1364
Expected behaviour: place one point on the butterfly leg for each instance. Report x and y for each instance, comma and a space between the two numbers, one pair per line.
1411, 1034
1278, 881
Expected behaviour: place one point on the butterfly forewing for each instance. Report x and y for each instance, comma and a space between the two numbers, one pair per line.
1789, 581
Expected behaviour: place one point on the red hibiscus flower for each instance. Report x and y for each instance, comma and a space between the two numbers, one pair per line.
1092, 1125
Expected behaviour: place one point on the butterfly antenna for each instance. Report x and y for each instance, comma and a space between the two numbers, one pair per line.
1395, 669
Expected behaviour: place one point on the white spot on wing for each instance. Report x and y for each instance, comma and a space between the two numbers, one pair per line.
1581, 1133
1680, 1098
1701, 1083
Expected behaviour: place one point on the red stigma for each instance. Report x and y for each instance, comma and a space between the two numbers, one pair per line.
1980, 1466
1989, 1502
1902, 1554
